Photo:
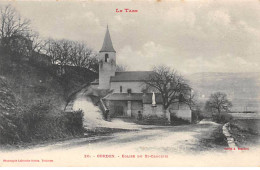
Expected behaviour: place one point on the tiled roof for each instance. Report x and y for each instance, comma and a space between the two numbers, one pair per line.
130, 76
124, 96
145, 98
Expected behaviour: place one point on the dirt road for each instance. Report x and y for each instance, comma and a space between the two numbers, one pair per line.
190, 145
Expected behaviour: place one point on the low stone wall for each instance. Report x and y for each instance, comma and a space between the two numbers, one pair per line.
153, 111
230, 139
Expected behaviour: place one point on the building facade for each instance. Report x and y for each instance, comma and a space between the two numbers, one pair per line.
130, 96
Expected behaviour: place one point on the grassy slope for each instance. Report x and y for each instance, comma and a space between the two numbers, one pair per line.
36, 86
246, 132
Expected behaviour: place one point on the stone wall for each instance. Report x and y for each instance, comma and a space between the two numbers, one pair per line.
180, 110
112, 107
136, 106
106, 69
154, 111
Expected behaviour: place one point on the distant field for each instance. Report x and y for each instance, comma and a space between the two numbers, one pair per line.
243, 89
246, 132
245, 115
250, 125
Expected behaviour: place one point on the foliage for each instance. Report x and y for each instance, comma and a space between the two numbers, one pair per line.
71, 53
38, 120
178, 121
196, 115
152, 120
218, 106
16, 35
222, 118
12, 24
36, 124
8, 107
30, 105
9, 131
74, 122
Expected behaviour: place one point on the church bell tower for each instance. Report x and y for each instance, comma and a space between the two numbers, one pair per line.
107, 62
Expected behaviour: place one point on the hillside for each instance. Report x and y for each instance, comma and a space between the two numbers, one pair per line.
243, 89
33, 96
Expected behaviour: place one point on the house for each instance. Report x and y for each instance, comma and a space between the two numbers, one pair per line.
130, 96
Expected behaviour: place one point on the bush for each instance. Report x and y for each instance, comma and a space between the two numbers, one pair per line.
222, 118
74, 123
196, 116
153, 120
178, 121
38, 123
8, 130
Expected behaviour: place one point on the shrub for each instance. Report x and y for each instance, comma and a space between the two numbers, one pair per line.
153, 120
222, 118
196, 116
8, 130
37, 123
35, 114
178, 121
74, 122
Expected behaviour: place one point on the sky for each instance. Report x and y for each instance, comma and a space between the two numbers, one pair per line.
189, 36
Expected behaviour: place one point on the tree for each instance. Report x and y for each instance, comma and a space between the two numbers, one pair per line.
60, 52
38, 44
218, 103
12, 24
65, 52
81, 55
93, 63
172, 86
15, 34
121, 67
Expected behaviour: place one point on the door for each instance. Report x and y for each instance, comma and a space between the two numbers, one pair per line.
119, 111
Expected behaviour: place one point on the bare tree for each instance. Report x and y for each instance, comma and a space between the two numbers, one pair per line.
70, 53
93, 63
38, 44
12, 24
80, 55
15, 34
120, 67
59, 51
170, 84
218, 103
51, 49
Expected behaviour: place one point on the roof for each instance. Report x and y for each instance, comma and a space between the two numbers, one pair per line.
107, 44
124, 96
145, 98
130, 76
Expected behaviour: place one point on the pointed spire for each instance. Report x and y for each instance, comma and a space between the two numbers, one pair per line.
107, 44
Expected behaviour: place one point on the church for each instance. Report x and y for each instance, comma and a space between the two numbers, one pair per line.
129, 96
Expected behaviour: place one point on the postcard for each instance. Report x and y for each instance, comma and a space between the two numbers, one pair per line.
129, 83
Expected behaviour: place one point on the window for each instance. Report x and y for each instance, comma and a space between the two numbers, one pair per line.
121, 89
129, 91
106, 57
